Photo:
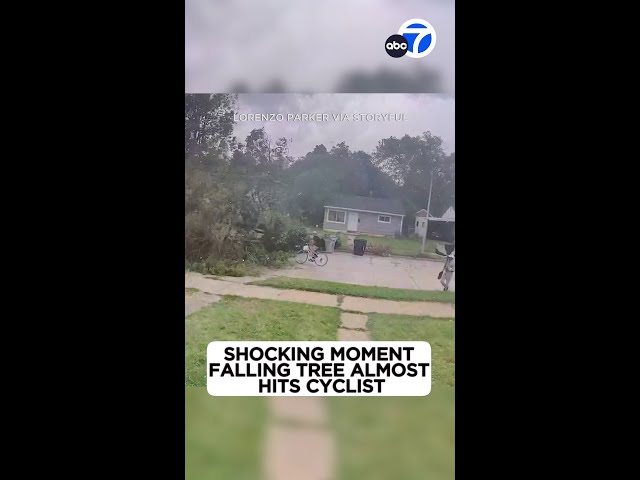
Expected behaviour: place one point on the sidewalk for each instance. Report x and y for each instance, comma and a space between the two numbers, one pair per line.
300, 442
350, 304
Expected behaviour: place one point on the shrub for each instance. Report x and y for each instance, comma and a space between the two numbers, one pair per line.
229, 268
380, 250
294, 238
282, 234
203, 238
257, 255
280, 259
232, 249
199, 267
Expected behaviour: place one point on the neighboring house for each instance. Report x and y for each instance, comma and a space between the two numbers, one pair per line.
421, 222
449, 215
449, 218
374, 216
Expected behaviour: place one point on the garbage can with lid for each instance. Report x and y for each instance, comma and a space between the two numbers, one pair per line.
359, 246
329, 243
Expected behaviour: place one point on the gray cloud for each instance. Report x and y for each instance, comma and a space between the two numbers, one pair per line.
311, 46
422, 112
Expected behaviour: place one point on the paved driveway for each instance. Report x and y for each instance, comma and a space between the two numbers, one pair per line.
392, 272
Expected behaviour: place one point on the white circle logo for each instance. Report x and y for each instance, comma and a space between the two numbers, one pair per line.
420, 36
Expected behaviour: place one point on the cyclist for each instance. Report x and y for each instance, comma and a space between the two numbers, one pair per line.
315, 244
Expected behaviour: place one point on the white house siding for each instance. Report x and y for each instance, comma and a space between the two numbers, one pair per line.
368, 223
341, 227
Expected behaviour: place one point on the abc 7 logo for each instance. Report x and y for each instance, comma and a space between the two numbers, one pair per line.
416, 38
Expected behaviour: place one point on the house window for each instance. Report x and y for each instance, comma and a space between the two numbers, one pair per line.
417, 224
335, 216
384, 219
423, 224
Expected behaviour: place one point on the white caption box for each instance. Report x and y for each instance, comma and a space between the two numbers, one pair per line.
379, 371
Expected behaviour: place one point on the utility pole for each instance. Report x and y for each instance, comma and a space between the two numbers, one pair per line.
426, 225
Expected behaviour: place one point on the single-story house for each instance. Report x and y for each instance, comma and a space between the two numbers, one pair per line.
374, 216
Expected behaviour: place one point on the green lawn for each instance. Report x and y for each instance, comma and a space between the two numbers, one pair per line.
401, 246
403, 438
224, 436
410, 247
189, 292
378, 438
249, 319
399, 438
357, 290
438, 332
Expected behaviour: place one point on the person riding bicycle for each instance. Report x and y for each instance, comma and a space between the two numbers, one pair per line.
315, 244
312, 251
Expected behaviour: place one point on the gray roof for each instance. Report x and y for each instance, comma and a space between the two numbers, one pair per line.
381, 205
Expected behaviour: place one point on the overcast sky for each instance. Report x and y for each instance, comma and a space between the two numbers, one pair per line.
308, 45
422, 112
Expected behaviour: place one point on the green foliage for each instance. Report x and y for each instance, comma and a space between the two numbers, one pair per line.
226, 193
216, 266
379, 250
258, 255
228, 268
208, 124
411, 162
317, 177
281, 233
208, 234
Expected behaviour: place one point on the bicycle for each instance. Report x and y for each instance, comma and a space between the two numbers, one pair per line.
316, 257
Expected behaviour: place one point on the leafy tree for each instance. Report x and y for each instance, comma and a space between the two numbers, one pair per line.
411, 162
208, 123
259, 165
321, 174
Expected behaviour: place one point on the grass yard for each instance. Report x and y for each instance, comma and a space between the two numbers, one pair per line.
190, 292
249, 319
357, 290
439, 332
410, 247
224, 436
404, 438
399, 438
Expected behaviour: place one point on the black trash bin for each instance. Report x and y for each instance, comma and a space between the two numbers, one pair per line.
359, 247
